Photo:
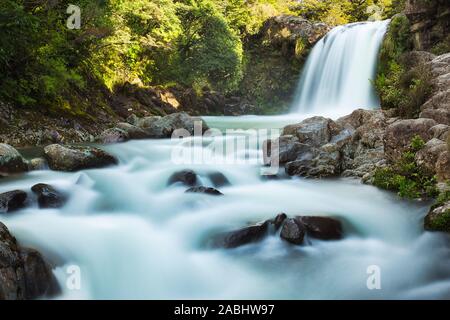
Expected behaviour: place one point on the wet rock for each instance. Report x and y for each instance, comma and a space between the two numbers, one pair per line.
242, 236
10, 160
73, 158
132, 131
186, 177
163, 127
204, 190
47, 196
39, 279
277, 222
23, 272
293, 231
285, 149
218, 179
438, 218
398, 136
37, 164
12, 200
323, 228
315, 131
113, 135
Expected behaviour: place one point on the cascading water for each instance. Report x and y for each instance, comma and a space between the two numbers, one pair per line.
133, 236
338, 73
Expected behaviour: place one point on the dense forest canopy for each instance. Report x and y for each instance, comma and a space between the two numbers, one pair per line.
196, 43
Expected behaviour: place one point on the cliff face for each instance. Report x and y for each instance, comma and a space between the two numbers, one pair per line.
430, 23
274, 59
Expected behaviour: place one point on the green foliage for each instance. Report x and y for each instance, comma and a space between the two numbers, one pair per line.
401, 84
405, 177
209, 51
336, 12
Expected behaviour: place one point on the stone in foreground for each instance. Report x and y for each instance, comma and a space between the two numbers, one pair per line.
186, 177
11, 161
23, 272
73, 158
12, 200
47, 196
293, 231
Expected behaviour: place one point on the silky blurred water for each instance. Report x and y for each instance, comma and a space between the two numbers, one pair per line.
135, 237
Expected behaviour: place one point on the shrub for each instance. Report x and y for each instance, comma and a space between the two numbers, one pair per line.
406, 177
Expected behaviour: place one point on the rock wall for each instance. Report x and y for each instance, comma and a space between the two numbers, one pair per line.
430, 22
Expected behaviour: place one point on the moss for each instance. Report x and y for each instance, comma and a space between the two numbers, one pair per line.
405, 177
439, 222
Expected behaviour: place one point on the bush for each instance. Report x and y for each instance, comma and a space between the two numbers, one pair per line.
405, 177
401, 84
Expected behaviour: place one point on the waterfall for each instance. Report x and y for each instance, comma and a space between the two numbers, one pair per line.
338, 73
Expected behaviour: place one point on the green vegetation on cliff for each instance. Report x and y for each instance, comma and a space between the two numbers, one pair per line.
403, 81
406, 177
45, 65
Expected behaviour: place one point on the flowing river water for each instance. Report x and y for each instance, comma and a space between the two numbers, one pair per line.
130, 235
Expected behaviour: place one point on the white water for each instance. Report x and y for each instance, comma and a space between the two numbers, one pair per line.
134, 237
339, 70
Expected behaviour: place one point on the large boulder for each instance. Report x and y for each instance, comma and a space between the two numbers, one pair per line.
234, 239
10, 160
132, 131
47, 196
315, 131
73, 158
250, 234
12, 200
24, 274
399, 134
218, 179
320, 147
186, 177
323, 228
113, 135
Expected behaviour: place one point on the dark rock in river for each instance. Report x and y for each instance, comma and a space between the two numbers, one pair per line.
73, 158
10, 160
12, 200
234, 239
293, 231
23, 272
47, 196
186, 177
323, 228
204, 190
39, 279
218, 179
